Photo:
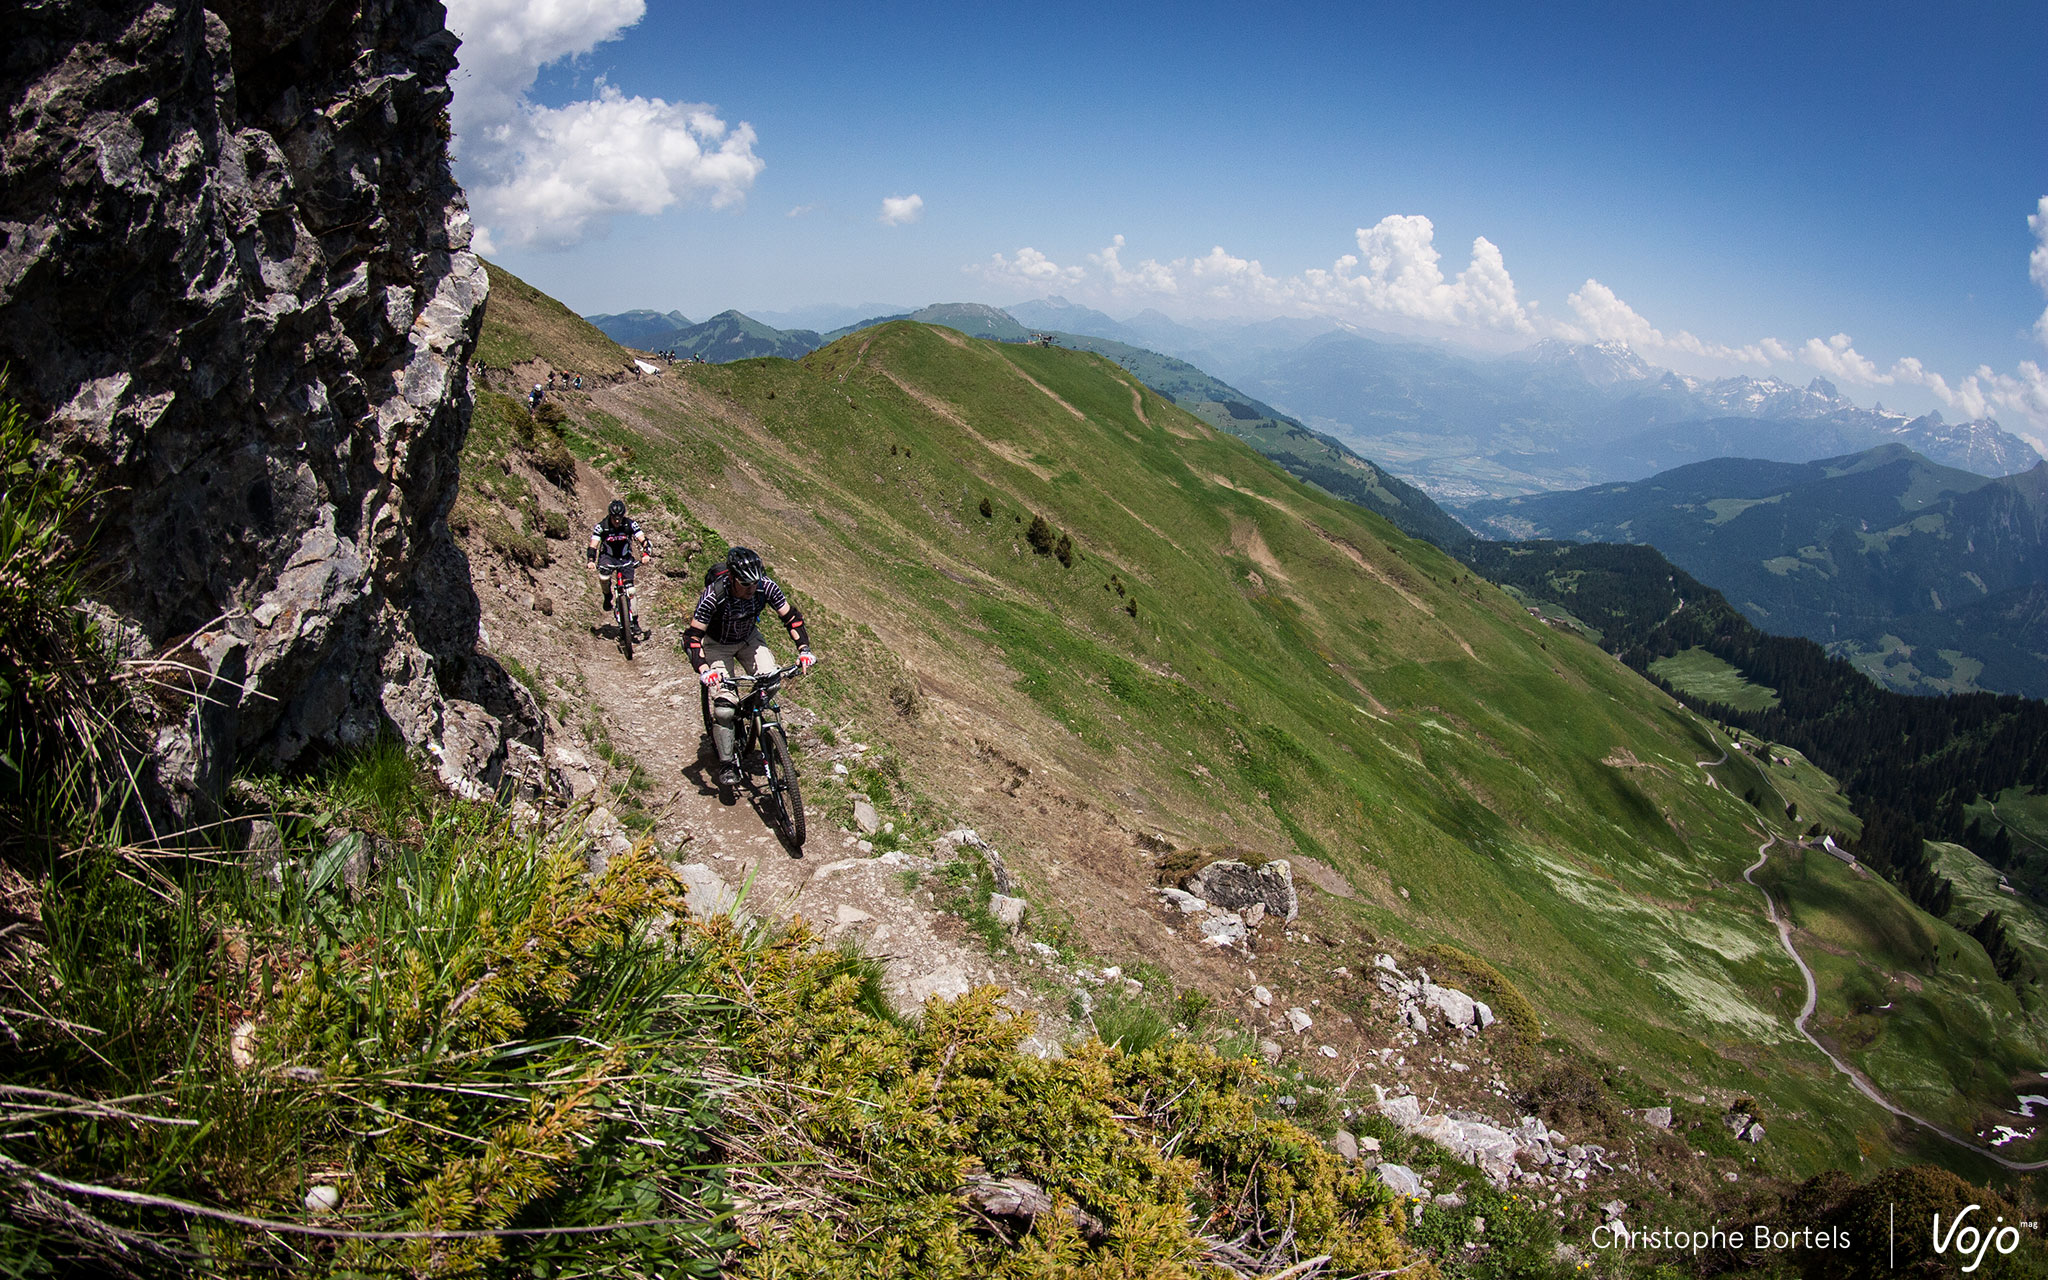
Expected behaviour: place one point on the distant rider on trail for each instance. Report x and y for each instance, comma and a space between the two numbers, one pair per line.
611, 547
723, 630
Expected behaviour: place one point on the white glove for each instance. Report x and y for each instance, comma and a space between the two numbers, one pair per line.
804, 659
711, 676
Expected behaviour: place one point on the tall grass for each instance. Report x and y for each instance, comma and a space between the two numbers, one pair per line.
478, 1038
55, 732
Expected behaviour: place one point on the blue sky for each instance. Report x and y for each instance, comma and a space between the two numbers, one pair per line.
1788, 189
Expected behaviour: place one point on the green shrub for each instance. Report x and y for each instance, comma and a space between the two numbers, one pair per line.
873, 1128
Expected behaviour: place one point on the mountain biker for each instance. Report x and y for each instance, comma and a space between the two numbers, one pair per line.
724, 629
611, 547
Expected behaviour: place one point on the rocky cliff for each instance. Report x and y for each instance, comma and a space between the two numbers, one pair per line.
236, 284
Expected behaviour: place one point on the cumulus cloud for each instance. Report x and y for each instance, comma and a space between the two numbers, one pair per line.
554, 176
1604, 317
1148, 277
1396, 273
898, 210
2037, 262
1839, 359
1030, 269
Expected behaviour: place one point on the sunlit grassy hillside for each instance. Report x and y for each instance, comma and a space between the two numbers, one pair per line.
1223, 653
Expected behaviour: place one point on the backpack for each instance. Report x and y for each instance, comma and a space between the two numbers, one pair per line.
716, 571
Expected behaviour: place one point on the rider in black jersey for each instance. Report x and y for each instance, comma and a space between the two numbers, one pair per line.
612, 547
723, 629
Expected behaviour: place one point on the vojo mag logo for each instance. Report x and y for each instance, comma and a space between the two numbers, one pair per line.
1976, 1239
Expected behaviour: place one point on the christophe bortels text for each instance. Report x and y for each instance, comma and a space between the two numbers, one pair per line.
1761, 1237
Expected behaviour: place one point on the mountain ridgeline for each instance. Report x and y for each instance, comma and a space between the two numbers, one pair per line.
1313, 457
1123, 631
1917, 768
1923, 575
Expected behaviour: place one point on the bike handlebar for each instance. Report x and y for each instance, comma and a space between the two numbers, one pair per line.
780, 673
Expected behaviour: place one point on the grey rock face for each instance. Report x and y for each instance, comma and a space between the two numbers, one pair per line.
1400, 1179
236, 286
1234, 886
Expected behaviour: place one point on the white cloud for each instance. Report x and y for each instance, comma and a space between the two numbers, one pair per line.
554, 176
802, 209
1837, 358
1605, 317
1148, 277
898, 210
2037, 261
1030, 269
1395, 273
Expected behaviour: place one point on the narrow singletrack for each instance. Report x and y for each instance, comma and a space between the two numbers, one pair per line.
1856, 1077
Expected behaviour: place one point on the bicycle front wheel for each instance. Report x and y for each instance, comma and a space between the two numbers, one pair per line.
625, 619
789, 799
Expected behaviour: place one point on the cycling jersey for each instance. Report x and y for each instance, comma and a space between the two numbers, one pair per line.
722, 617
615, 546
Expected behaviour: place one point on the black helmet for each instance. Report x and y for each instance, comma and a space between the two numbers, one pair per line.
744, 565
616, 512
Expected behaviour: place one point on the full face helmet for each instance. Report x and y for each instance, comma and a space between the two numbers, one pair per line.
615, 515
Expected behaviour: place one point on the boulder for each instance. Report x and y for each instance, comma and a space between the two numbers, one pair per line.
1344, 1145
1658, 1117
1223, 929
1456, 1008
864, 815
1235, 885
1400, 1179
1008, 911
706, 891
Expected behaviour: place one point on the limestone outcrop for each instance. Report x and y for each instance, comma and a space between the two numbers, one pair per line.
236, 285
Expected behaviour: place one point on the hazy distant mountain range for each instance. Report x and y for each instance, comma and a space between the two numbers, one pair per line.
1460, 427
641, 330
1560, 416
1927, 577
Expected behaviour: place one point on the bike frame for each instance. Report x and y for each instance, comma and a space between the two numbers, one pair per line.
757, 708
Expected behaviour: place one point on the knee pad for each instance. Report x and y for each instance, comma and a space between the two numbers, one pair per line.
721, 711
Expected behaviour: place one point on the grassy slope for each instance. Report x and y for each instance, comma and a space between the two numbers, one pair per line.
1356, 696
1713, 679
1892, 1013
521, 323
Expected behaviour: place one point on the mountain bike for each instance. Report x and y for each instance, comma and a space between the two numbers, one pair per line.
622, 611
762, 749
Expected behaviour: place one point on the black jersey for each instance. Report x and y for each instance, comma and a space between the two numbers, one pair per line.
615, 546
728, 619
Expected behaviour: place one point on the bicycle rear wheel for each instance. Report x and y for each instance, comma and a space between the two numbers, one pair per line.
789, 799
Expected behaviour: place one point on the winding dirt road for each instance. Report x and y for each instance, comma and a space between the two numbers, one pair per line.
1856, 1077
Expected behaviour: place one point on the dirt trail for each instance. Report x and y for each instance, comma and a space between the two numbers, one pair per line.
645, 712
1855, 1077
